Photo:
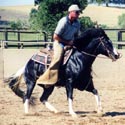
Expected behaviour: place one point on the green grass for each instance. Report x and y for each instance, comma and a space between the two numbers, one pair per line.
26, 37
2, 36
23, 36
112, 35
31, 37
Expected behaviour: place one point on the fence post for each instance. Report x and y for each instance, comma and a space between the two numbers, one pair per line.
6, 45
52, 37
45, 37
6, 35
1, 61
18, 37
6, 39
119, 39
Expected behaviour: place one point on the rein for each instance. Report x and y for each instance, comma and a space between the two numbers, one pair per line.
92, 55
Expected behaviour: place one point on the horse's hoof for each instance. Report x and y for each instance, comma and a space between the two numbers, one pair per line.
100, 113
74, 115
55, 111
26, 106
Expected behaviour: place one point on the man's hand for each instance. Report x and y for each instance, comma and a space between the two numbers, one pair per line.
70, 43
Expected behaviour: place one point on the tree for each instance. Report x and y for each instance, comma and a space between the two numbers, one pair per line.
99, 1
16, 25
19, 24
86, 22
36, 2
50, 11
33, 19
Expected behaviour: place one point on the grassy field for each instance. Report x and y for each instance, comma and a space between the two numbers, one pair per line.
10, 13
103, 15
38, 36
23, 36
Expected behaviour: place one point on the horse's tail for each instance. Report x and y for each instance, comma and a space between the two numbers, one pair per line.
14, 82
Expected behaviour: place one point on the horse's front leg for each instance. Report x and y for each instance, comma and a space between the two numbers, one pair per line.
69, 90
91, 88
98, 101
44, 98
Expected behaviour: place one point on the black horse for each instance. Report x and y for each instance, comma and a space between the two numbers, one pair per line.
76, 73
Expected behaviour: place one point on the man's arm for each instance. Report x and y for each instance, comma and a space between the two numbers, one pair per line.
57, 38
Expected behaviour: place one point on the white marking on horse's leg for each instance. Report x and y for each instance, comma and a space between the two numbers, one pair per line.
50, 107
98, 101
26, 106
20, 71
71, 111
115, 51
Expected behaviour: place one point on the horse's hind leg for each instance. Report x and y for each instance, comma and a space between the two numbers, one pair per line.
44, 98
30, 87
69, 91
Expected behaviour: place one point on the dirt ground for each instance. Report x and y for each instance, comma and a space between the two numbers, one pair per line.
108, 78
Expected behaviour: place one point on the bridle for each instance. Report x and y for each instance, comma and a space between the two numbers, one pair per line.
109, 53
101, 39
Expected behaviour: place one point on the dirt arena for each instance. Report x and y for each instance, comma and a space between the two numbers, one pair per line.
108, 79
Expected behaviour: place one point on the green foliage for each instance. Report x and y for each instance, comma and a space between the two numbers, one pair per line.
103, 26
86, 22
99, 1
18, 25
33, 19
50, 11
121, 21
13, 25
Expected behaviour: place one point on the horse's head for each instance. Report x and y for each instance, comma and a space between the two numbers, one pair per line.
105, 46
96, 39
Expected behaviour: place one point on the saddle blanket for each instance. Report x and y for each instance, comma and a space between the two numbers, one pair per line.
42, 58
45, 57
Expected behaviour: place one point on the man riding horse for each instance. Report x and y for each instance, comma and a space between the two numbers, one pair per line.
68, 27
70, 75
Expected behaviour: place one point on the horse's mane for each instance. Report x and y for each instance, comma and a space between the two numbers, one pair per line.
87, 36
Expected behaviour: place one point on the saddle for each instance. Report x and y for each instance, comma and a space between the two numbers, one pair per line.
45, 56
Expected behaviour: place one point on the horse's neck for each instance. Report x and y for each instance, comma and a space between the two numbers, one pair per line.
92, 47
86, 37
90, 54
81, 44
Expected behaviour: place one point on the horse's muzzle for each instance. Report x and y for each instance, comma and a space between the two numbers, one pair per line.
118, 56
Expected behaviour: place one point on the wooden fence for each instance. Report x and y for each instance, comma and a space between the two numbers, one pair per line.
21, 45
47, 39
18, 42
